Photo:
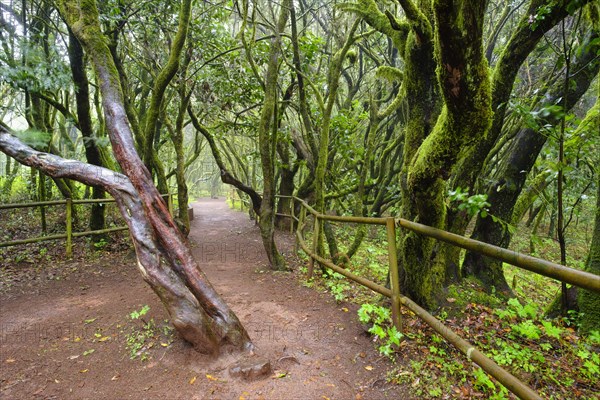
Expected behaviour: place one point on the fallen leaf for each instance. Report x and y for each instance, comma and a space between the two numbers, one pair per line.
10, 360
89, 321
451, 300
88, 352
344, 309
211, 378
74, 357
369, 368
280, 375
83, 371
192, 380
326, 398
164, 344
104, 339
77, 339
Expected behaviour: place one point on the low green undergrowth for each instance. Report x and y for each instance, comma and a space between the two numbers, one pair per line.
145, 334
547, 355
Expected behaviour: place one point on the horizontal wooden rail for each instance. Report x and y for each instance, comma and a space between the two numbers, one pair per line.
100, 231
573, 276
33, 240
31, 205
62, 236
69, 235
60, 202
339, 218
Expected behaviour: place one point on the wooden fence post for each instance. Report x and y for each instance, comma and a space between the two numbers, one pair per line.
390, 225
300, 227
69, 218
292, 220
311, 264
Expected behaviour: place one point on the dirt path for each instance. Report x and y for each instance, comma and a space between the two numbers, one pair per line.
67, 338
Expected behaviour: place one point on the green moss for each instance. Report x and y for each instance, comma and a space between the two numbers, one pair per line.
592, 14
465, 117
370, 12
470, 290
82, 17
589, 303
388, 73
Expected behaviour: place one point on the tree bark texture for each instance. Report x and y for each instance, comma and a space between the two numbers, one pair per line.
463, 122
589, 303
267, 136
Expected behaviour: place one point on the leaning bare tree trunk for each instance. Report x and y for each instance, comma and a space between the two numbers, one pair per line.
164, 257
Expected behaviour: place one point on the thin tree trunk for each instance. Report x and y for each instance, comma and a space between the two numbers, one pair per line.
267, 136
84, 118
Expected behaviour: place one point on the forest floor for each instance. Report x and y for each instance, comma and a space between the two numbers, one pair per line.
78, 329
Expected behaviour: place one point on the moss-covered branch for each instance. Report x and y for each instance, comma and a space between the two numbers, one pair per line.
371, 14
163, 79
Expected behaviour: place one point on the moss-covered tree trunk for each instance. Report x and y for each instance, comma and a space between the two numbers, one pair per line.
467, 174
463, 122
267, 136
182, 188
322, 162
152, 126
286, 187
589, 303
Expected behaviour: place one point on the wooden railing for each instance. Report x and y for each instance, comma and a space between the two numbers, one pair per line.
69, 234
578, 278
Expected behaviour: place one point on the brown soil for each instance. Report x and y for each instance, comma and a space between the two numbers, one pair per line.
317, 348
